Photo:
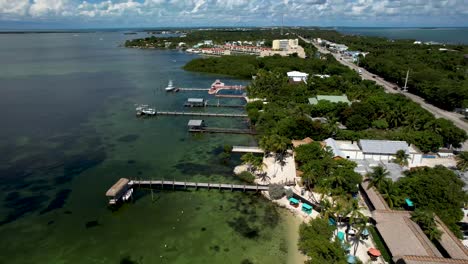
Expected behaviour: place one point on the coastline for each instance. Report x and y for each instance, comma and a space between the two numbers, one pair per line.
293, 223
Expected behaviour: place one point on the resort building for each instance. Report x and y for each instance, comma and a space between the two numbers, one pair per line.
374, 150
405, 240
330, 98
285, 44
297, 77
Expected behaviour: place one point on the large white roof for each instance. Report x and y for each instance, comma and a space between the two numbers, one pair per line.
336, 150
382, 146
297, 74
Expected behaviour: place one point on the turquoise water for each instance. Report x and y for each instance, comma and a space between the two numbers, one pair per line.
69, 132
441, 35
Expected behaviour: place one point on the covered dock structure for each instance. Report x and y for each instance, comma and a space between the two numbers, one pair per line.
195, 102
405, 240
117, 190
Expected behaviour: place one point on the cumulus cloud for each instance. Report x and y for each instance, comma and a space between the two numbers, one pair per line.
223, 11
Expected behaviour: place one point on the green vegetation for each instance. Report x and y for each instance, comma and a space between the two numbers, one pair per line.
462, 161
425, 219
401, 158
439, 76
276, 191
374, 114
246, 176
314, 241
254, 162
325, 174
218, 36
437, 190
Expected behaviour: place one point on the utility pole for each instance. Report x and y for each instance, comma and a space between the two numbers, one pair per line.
282, 23
405, 88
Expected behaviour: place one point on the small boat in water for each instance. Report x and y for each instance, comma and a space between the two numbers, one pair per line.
170, 87
127, 195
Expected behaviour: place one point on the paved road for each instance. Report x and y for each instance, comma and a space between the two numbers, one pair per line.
389, 87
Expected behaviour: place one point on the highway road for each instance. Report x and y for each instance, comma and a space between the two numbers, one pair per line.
389, 87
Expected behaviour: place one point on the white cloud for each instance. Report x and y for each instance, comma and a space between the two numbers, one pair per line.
40, 8
264, 12
18, 7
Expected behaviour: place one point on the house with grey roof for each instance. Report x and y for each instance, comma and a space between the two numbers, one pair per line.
374, 150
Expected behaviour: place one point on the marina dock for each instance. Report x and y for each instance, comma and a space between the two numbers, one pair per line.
197, 185
193, 89
246, 149
199, 114
222, 130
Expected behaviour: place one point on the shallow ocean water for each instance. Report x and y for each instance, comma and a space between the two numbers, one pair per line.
69, 132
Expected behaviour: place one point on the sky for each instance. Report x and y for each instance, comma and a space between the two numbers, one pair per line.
56, 14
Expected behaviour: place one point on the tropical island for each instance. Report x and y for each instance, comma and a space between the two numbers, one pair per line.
314, 114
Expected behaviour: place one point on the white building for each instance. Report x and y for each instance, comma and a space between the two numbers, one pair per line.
296, 76
285, 44
208, 42
374, 150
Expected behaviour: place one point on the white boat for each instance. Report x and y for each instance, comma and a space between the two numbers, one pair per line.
170, 87
127, 195
149, 111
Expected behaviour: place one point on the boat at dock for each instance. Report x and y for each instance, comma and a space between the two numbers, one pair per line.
145, 110
171, 88
127, 195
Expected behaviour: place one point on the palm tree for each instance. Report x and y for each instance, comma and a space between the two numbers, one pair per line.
360, 226
377, 177
425, 219
390, 193
462, 161
401, 158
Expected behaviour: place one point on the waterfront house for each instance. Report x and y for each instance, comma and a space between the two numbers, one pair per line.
297, 76
374, 150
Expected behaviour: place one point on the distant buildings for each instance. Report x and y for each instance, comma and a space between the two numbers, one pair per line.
285, 44
331, 45
330, 98
297, 77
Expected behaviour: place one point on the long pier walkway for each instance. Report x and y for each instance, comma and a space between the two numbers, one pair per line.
197, 185
194, 89
246, 149
200, 114
222, 130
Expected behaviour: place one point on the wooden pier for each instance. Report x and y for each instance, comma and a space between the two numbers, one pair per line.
197, 185
193, 89
222, 130
231, 96
246, 149
199, 114
223, 105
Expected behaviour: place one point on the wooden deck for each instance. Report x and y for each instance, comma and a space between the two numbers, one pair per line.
194, 89
245, 149
199, 114
223, 130
196, 185
230, 96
